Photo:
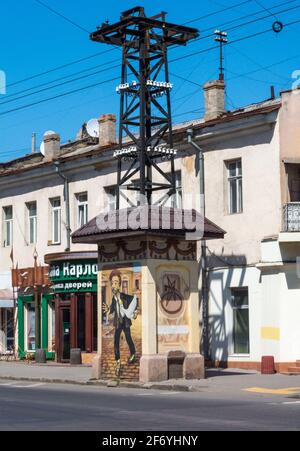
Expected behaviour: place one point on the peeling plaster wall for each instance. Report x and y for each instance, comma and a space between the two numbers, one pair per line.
289, 120
261, 217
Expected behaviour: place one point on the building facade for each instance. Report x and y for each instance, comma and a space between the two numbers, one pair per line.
44, 199
252, 191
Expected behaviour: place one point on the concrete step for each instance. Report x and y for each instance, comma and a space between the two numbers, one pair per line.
290, 374
294, 369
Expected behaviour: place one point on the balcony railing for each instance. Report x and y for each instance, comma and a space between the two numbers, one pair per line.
291, 217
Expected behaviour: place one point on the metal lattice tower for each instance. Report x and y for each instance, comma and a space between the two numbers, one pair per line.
145, 100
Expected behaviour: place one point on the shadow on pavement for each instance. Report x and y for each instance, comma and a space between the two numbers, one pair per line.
211, 373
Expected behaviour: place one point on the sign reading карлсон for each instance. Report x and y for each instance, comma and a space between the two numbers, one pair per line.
68, 277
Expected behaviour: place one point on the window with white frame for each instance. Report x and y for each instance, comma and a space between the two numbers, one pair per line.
51, 326
176, 201
240, 306
82, 209
235, 187
56, 220
32, 222
8, 226
30, 327
111, 195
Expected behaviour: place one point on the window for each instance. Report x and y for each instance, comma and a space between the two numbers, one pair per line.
30, 327
6, 330
51, 326
81, 322
177, 198
56, 221
235, 186
32, 222
10, 338
82, 209
8, 226
111, 194
240, 305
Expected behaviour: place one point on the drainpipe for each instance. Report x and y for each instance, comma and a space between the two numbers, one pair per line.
204, 291
67, 203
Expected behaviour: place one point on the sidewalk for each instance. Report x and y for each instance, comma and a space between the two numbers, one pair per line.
217, 381
45, 373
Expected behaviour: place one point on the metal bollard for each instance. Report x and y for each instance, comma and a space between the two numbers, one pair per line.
40, 356
76, 357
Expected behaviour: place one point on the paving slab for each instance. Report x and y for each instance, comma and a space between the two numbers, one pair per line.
49, 372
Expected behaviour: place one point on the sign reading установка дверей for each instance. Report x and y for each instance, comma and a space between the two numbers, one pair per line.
68, 277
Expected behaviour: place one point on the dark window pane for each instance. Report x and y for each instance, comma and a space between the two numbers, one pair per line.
241, 331
95, 323
233, 196
81, 322
240, 305
240, 298
66, 334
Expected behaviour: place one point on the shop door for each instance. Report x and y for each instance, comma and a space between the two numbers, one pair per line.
66, 334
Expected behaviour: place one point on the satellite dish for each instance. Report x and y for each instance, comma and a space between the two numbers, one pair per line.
42, 148
92, 128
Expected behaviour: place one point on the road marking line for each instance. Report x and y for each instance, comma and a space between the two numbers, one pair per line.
7, 384
159, 393
29, 386
290, 403
268, 391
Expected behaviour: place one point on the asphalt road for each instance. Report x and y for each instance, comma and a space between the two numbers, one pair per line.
45, 407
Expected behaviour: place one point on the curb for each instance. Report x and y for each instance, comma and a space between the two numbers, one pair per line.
107, 384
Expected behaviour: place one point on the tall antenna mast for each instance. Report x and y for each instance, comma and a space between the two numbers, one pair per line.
221, 37
145, 101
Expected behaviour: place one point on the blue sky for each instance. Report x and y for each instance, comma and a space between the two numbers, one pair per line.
34, 40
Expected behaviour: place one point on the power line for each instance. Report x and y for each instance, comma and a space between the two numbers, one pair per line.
72, 62
264, 68
58, 96
58, 79
59, 67
100, 53
110, 50
85, 70
263, 7
62, 16
249, 22
258, 64
217, 12
60, 84
245, 17
174, 60
244, 38
185, 79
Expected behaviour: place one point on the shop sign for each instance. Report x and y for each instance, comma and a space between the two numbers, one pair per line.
69, 277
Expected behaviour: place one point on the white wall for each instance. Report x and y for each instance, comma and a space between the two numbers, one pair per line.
261, 217
221, 312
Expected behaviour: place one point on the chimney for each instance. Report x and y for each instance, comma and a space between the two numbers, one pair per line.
214, 99
33, 143
51, 142
107, 130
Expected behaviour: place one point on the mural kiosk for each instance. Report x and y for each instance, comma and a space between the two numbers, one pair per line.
148, 297
73, 278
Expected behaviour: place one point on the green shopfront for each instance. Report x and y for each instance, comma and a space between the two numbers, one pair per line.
27, 325
72, 317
